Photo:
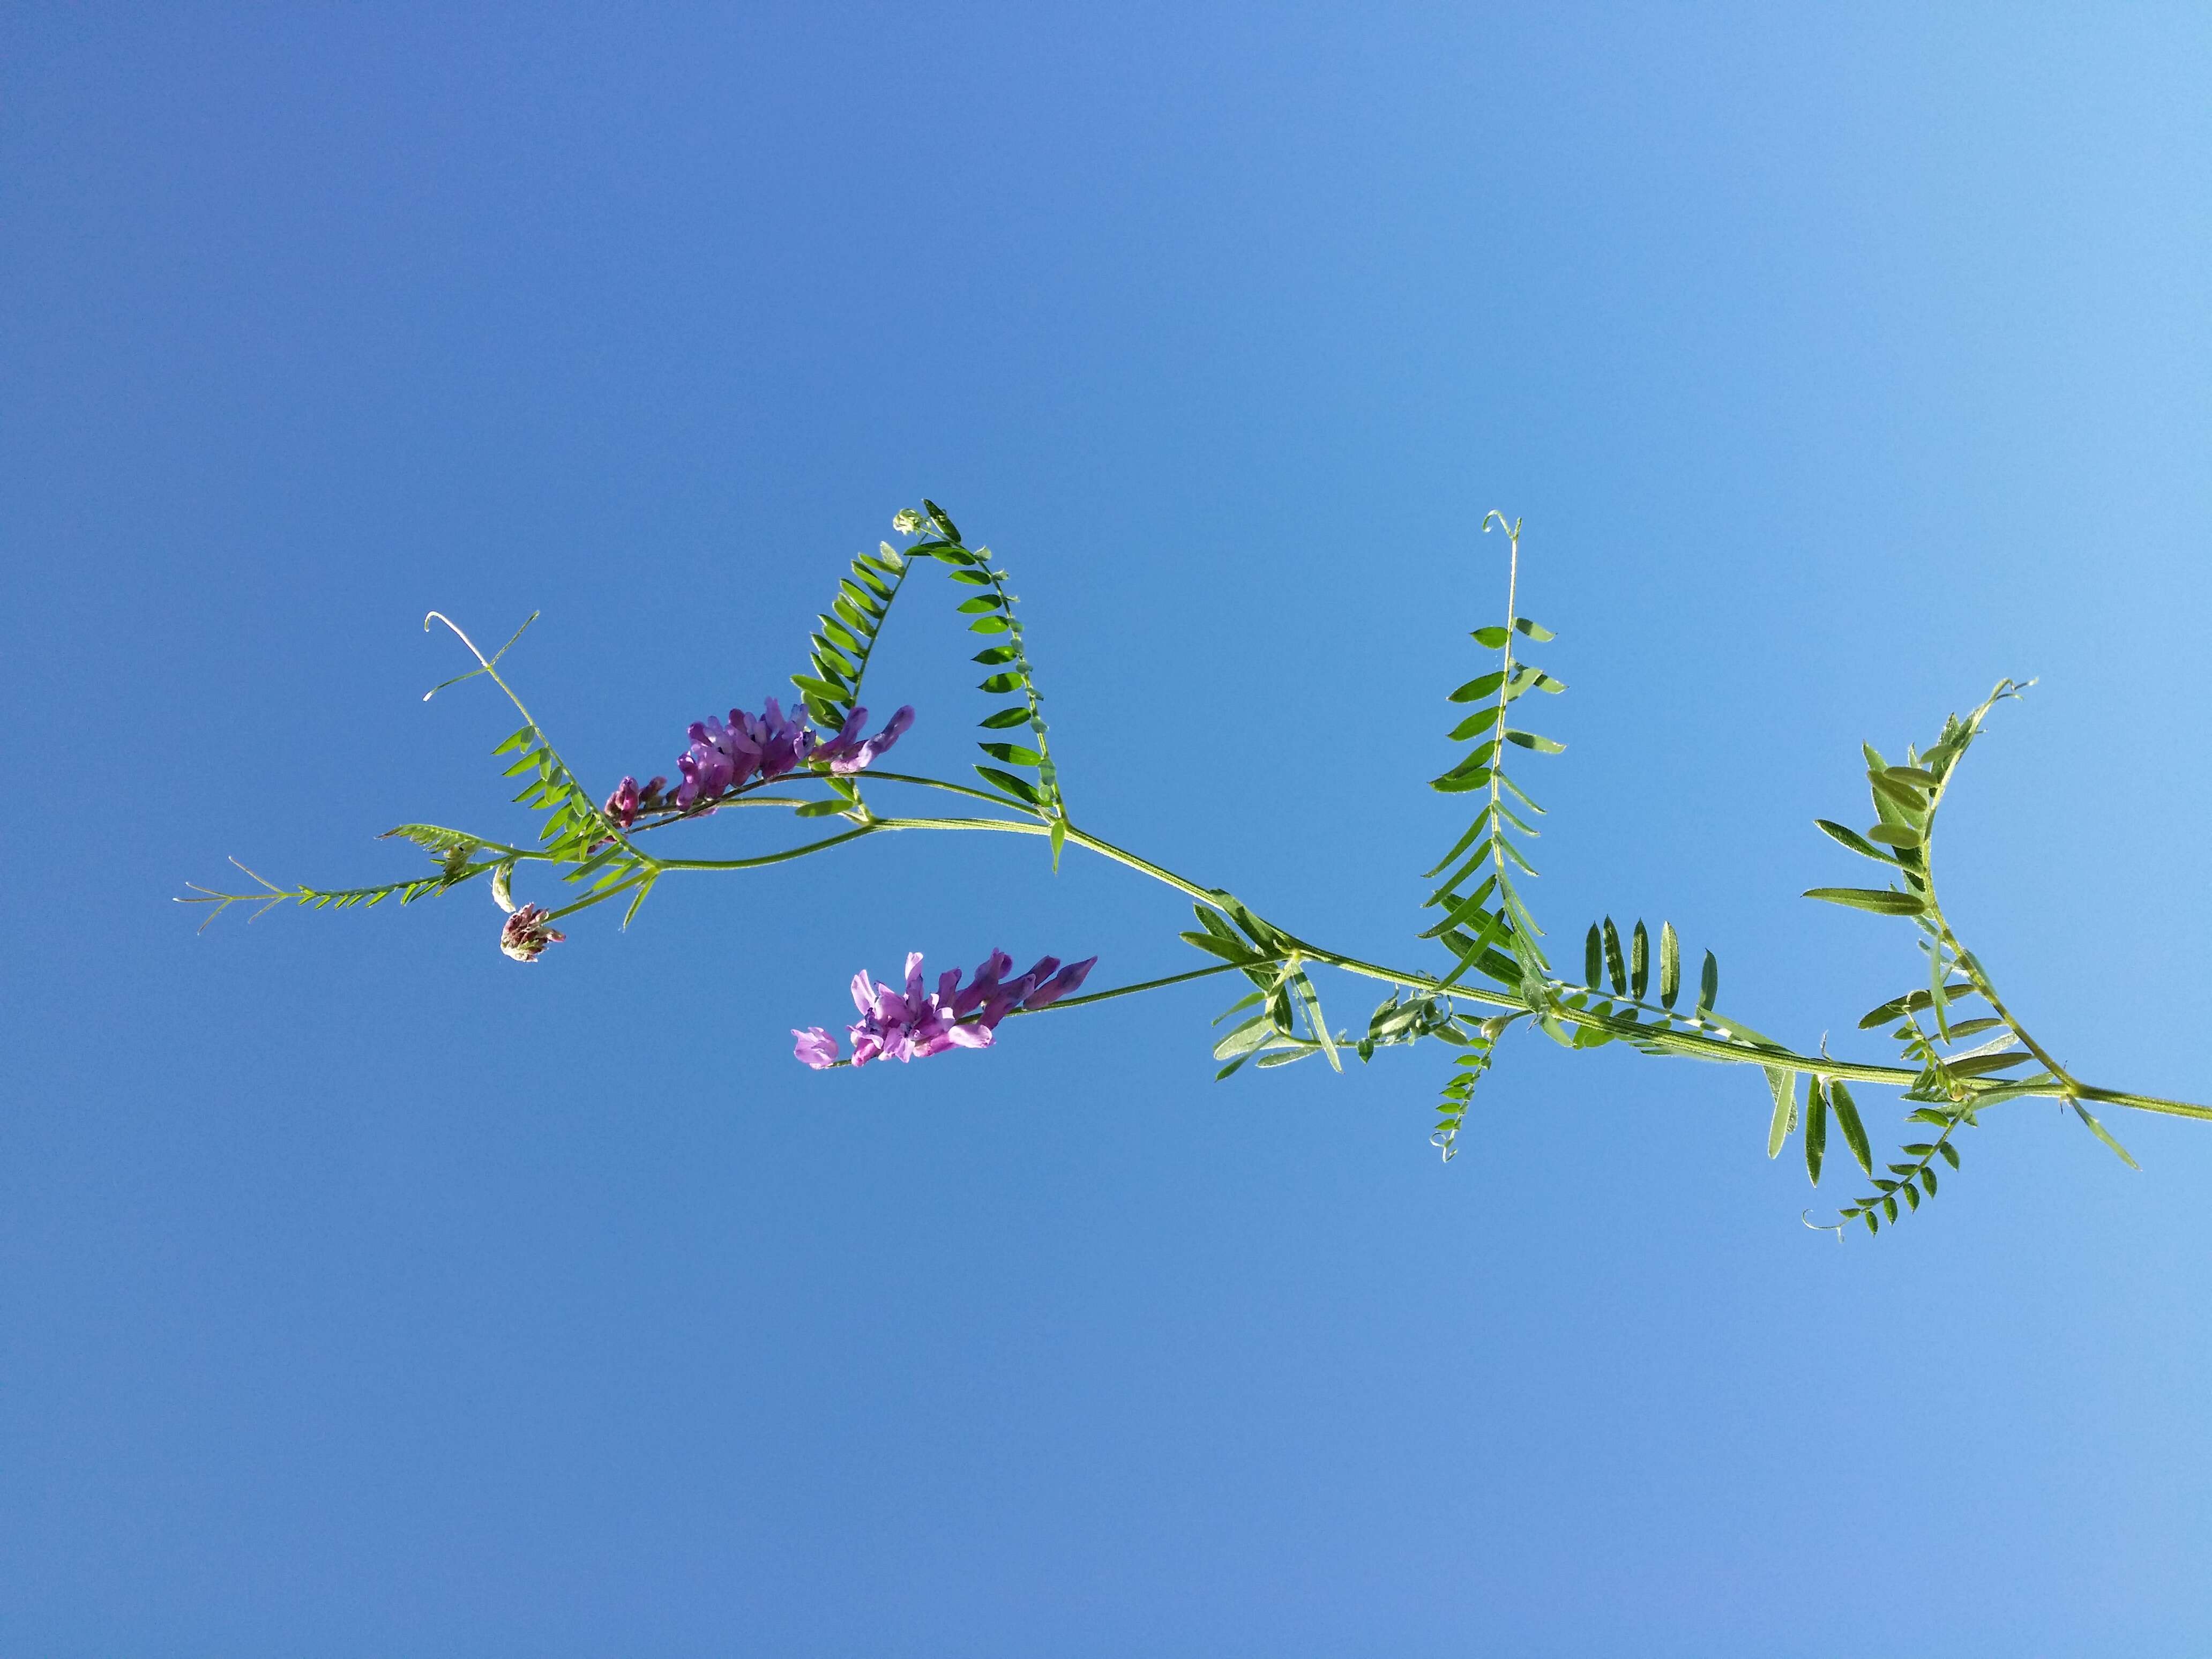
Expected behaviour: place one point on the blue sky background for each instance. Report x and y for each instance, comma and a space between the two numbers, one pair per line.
362, 1292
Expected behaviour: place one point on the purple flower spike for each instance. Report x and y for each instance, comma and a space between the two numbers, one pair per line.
723, 759
916, 1023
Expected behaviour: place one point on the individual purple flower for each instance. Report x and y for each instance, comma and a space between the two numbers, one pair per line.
527, 932
1065, 982
720, 759
783, 740
914, 1024
850, 752
622, 805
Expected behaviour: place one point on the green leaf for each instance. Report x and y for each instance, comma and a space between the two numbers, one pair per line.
938, 517
1458, 783
1911, 801
1018, 715
1310, 1005
1481, 721
991, 656
1847, 1120
1227, 950
1009, 681
1481, 686
1614, 968
822, 808
1020, 789
2104, 1134
981, 602
1013, 753
1950, 1153
1639, 961
992, 624
1670, 965
1709, 983
1540, 745
515, 742
1897, 835
1852, 839
827, 689
1782, 1083
1594, 959
1461, 845
973, 578
1464, 910
1881, 901
1983, 1064
1058, 840
1535, 631
1816, 1128
1490, 637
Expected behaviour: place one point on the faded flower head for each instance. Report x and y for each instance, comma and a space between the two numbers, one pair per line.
527, 932
907, 521
915, 1023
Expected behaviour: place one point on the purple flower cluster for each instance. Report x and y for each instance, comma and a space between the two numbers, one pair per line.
917, 1024
724, 757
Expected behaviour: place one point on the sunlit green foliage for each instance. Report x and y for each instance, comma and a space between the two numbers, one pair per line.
1963, 1050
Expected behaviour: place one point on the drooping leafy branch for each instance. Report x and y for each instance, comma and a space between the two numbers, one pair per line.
1959, 1060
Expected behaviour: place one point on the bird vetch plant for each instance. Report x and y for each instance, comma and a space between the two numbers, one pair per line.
1963, 1049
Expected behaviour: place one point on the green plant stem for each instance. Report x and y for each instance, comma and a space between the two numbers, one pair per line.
1690, 1044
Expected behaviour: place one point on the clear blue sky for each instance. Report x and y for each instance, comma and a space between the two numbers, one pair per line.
362, 1292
